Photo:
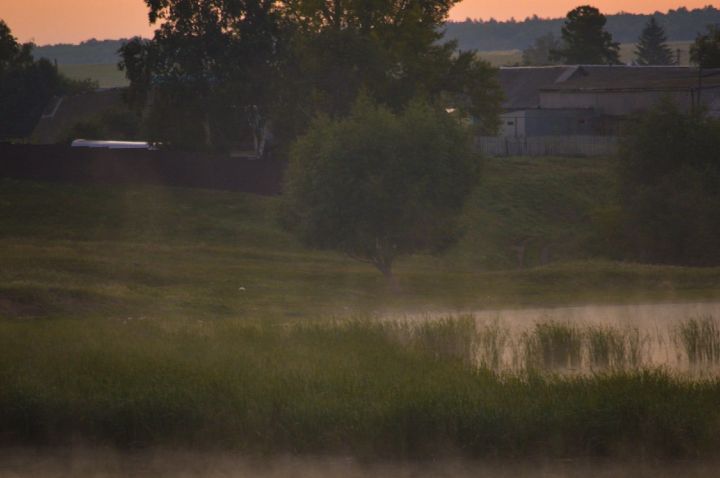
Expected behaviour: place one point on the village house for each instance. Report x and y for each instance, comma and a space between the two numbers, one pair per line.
581, 110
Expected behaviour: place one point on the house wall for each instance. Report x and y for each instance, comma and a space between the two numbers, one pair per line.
621, 103
540, 122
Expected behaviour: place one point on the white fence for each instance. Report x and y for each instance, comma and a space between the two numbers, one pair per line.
548, 146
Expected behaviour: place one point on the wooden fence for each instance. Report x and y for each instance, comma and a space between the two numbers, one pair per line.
166, 168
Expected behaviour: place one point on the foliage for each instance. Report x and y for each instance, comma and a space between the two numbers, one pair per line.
392, 52
379, 185
540, 53
670, 193
346, 388
27, 86
209, 69
652, 48
224, 64
585, 40
705, 52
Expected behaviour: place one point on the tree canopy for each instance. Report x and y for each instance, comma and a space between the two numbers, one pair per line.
229, 64
377, 185
540, 53
670, 189
585, 40
705, 52
652, 48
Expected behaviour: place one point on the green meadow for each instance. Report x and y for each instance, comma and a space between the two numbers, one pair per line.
147, 316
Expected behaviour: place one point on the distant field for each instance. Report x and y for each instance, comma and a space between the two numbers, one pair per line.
627, 54
108, 76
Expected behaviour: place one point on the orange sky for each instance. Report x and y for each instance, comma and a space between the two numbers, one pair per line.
54, 21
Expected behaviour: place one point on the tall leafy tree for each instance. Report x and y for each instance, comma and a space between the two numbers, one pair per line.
286, 61
377, 185
705, 52
540, 53
670, 189
27, 85
210, 63
390, 49
652, 48
585, 40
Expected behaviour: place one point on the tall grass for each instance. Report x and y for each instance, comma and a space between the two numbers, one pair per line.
553, 345
493, 339
354, 387
700, 339
606, 347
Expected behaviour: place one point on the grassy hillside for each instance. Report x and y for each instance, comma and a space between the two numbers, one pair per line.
129, 252
107, 75
146, 316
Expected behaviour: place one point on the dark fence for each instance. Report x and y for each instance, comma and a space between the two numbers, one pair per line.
165, 168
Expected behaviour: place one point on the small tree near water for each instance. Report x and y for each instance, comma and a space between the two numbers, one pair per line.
378, 185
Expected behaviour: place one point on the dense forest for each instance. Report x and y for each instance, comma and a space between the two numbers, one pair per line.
680, 25
90, 52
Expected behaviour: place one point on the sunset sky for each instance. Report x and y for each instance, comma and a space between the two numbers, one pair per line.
71, 21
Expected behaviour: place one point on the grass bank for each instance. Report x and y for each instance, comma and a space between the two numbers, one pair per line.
142, 316
111, 252
357, 388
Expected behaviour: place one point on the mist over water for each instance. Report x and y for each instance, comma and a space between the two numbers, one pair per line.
679, 337
103, 463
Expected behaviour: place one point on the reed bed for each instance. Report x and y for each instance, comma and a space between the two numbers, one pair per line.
359, 387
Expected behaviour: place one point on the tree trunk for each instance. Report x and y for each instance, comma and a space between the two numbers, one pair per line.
208, 132
386, 268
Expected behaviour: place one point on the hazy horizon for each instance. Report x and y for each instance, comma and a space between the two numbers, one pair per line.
73, 21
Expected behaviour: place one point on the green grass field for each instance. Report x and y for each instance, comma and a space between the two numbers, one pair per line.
107, 76
107, 251
139, 316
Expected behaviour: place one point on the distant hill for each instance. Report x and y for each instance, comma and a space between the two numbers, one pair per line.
91, 52
681, 25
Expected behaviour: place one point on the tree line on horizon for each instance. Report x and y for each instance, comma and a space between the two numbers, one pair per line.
680, 24
585, 40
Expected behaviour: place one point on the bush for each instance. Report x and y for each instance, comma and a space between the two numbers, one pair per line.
670, 189
378, 185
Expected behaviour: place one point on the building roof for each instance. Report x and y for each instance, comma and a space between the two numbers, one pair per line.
635, 78
522, 85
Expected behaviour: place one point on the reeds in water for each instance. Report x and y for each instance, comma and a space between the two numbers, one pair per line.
700, 339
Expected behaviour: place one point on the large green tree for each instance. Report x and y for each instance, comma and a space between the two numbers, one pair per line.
670, 189
283, 62
652, 48
705, 52
27, 86
540, 52
209, 70
585, 40
377, 185
390, 49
